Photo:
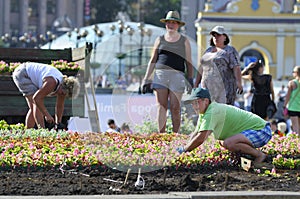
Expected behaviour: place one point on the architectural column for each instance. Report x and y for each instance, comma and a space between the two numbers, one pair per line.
208, 7
23, 16
2, 17
297, 46
60, 8
5, 17
297, 7
79, 13
280, 54
42, 23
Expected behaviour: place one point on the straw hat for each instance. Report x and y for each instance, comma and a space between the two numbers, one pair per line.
173, 16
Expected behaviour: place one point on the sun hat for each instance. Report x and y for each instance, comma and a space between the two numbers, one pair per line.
219, 30
173, 16
197, 93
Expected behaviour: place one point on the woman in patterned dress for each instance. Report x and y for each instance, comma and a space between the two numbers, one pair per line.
219, 69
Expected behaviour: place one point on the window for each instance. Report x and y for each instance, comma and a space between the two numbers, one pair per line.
51, 8
14, 6
33, 8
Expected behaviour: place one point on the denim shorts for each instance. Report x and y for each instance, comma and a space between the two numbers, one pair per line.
259, 138
173, 80
23, 82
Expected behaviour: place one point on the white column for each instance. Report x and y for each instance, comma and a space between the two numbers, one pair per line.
297, 48
23, 16
79, 13
280, 56
208, 37
61, 6
6, 16
42, 20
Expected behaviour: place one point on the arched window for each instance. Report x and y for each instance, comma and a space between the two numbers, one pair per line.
249, 56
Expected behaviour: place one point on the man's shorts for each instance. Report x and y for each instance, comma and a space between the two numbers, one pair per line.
173, 80
259, 138
294, 113
23, 82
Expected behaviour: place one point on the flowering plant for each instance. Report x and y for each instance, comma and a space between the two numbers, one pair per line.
43, 148
4, 67
13, 66
61, 65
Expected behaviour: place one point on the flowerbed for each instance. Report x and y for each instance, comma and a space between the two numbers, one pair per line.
62, 65
22, 147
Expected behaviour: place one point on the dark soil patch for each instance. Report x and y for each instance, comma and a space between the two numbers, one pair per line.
93, 181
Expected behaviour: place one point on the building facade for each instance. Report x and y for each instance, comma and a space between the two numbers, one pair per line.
266, 30
36, 17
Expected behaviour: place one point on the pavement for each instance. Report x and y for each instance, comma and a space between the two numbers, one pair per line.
180, 195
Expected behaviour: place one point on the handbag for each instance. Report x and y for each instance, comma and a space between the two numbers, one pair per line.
271, 109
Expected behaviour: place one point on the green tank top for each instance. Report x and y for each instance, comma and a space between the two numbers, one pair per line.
294, 102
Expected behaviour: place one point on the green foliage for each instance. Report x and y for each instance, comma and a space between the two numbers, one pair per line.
149, 126
5, 126
149, 11
158, 9
105, 11
187, 125
61, 65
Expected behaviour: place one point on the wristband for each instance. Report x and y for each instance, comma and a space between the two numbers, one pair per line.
180, 150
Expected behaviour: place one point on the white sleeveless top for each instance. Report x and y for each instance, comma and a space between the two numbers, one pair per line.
38, 71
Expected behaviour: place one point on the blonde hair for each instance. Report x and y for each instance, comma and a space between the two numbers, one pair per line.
281, 126
71, 86
297, 68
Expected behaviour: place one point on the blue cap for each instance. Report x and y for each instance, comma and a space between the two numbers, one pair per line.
197, 93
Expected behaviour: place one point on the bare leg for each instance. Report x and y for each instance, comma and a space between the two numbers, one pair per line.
295, 124
175, 99
299, 126
38, 116
29, 121
162, 103
34, 115
239, 143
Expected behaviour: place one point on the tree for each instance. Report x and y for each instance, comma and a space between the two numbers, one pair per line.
105, 11
148, 11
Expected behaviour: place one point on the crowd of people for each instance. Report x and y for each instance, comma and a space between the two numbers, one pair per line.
213, 97
169, 74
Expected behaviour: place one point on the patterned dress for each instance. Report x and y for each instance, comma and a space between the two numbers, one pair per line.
218, 74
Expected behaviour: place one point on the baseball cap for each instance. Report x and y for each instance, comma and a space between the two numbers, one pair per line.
219, 30
197, 93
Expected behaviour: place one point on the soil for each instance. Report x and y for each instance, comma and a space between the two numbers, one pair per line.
104, 180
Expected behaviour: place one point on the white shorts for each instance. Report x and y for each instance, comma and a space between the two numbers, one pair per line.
23, 82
